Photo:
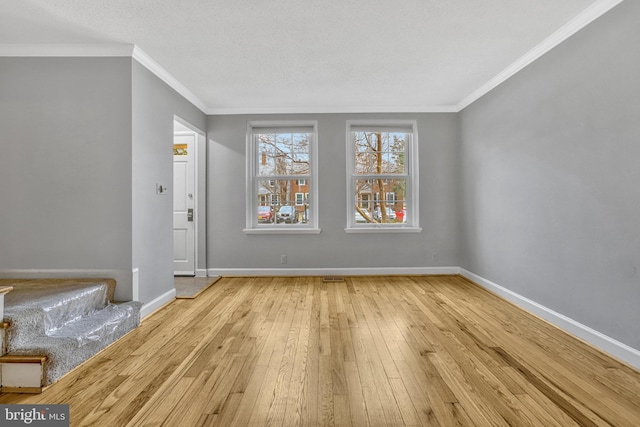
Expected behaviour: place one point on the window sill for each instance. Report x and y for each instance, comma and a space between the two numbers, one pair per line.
356, 230
281, 230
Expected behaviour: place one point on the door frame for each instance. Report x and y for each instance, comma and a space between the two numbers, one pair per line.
199, 208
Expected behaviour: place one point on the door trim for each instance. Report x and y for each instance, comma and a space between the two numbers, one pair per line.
199, 208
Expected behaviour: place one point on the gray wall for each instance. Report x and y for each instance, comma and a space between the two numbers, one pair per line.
65, 181
154, 107
230, 247
83, 142
550, 179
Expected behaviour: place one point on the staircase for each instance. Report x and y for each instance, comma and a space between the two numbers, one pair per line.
51, 326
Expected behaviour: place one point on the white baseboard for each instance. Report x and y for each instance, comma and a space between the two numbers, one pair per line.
201, 272
157, 303
373, 271
603, 342
135, 284
122, 277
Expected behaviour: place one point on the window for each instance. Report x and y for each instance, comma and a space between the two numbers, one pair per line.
382, 176
282, 168
364, 200
391, 198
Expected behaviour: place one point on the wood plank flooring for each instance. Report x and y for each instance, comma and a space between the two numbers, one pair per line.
378, 351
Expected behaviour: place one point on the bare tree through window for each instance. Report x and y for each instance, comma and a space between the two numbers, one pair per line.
282, 172
380, 171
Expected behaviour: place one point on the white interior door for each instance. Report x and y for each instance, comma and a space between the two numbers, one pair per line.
184, 248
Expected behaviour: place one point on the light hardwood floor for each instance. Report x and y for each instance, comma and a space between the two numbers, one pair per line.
420, 350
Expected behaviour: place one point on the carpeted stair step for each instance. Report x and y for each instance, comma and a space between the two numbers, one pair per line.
39, 307
78, 340
56, 324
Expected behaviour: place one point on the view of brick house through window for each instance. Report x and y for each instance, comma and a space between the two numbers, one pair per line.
380, 176
283, 175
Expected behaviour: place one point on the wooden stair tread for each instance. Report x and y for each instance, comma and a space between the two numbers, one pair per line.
14, 358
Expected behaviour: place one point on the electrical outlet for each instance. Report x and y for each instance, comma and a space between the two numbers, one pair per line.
283, 259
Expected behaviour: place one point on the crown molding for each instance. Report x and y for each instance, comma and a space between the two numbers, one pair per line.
589, 15
331, 110
66, 50
151, 65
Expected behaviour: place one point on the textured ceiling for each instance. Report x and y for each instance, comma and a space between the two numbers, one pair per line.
300, 55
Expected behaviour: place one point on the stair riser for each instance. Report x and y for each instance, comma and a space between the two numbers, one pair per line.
22, 377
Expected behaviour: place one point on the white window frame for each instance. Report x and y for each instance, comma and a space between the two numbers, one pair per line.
391, 199
252, 225
302, 199
411, 176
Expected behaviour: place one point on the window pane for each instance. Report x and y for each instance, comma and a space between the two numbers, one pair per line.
380, 201
283, 153
289, 201
379, 152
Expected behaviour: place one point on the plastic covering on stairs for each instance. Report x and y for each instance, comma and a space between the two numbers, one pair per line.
66, 320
